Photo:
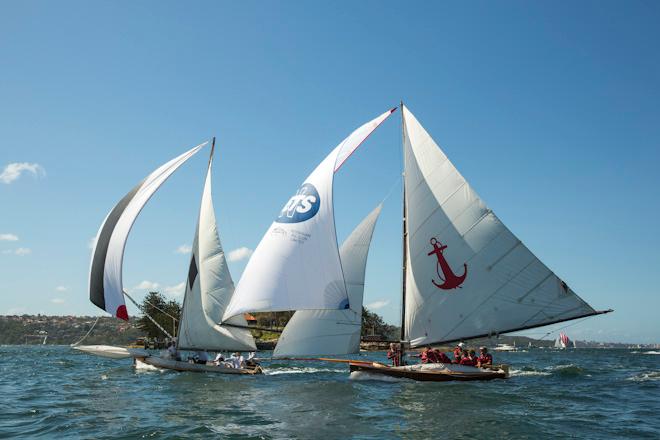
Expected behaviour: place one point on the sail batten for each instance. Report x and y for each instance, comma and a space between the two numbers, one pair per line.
467, 275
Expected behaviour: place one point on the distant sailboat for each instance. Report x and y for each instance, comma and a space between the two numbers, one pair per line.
563, 341
465, 275
209, 286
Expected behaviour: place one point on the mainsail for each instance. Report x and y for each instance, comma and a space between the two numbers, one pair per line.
105, 275
209, 287
334, 332
296, 265
466, 274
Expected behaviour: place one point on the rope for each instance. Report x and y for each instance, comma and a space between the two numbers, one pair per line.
562, 328
75, 344
160, 310
148, 316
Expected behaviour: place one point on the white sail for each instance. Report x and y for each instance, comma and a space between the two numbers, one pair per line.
296, 265
209, 287
467, 275
105, 275
334, 332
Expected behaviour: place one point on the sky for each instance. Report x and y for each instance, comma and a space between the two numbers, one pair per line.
551, 110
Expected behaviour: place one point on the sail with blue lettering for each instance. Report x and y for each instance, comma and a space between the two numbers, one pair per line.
296, 266
334, 332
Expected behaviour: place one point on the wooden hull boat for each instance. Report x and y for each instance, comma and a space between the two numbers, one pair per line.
432, 372
170, 364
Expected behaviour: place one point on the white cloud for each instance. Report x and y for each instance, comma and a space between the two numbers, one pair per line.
57, 301
378, 304
239, 254
16, 311
177, 290
21, 251
14, 170
147, 285
61, 288
8, 237
183, 249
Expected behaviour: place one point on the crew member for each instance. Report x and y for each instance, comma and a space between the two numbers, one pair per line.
458, 352
394, 354
470, 359
441, 357
201, 357
484, 358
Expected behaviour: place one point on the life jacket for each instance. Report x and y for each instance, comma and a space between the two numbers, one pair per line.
486, 359
457, 354
443, 357
394, 355
468, 361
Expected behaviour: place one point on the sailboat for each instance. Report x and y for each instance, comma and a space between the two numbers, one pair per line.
465, 274
209, 286
563, 341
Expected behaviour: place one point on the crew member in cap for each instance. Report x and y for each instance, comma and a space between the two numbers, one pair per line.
458, 352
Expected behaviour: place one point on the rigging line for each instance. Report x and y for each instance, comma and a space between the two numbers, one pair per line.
160, 310
394, 185
147, 315
562, 328
75, 344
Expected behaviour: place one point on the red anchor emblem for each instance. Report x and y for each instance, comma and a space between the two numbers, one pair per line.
450, 280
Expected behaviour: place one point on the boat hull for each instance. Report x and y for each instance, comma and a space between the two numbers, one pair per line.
170, 364
431, 372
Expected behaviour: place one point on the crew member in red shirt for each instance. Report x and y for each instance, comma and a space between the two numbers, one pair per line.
470, 359
484, 358
458, 352
429, 356
441, 357
394, 354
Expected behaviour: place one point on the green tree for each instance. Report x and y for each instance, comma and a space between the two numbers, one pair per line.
162, 311
373, 325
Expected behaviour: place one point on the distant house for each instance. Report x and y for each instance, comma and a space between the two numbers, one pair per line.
251, 320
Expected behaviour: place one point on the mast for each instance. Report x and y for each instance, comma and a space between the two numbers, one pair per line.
404, 238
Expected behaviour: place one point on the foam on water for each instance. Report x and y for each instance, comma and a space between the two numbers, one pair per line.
141, 366
301, 370
514, 372
645, 377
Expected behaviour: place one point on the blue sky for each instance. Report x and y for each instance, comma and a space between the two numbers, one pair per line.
550, 110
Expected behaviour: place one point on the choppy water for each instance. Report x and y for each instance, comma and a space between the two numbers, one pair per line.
55, 392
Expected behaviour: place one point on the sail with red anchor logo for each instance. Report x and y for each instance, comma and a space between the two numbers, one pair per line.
466, 274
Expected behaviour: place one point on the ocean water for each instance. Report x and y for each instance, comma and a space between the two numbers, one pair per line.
56, 392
